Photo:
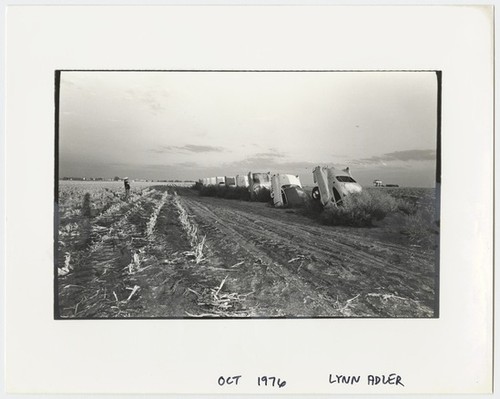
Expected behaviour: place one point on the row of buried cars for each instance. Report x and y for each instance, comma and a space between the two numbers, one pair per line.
331, 186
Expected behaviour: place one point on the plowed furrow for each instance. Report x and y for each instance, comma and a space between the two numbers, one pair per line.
332, 244
230, 233
335, 249
332, 262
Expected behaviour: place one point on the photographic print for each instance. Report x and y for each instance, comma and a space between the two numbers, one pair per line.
247, 194
214, 194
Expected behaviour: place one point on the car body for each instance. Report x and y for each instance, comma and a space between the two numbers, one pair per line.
230, 181
258, 181
286, 191
333, 185
220, 180
242, 181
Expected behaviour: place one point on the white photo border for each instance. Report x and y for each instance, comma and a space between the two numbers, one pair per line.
47, 356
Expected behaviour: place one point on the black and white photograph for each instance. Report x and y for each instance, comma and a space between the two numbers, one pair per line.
247, 194
284, 199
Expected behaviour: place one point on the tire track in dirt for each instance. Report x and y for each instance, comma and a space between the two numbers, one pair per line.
264, 249
326, 236
287, 217
330, 244
340, 235
336, 265
344, 261
269, 263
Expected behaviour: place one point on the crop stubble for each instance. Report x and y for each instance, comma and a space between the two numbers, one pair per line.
167, 252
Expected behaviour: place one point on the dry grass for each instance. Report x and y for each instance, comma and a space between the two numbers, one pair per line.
191, 229
154, 216
412, 215
360, 209
218, 303
422, 228
198, 250
345, 308
62, 271
237, 193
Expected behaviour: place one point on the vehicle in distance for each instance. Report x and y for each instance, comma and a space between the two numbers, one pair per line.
230, 181
242, 181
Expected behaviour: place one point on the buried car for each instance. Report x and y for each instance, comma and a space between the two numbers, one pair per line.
242, 181
211, 181
333, 185
257, 182
286, 191
230, 181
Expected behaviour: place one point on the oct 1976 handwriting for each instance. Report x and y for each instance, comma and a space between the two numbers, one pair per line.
339, 379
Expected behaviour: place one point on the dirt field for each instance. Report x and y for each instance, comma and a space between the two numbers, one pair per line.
167, 252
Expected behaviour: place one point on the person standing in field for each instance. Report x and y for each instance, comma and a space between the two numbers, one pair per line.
127, 187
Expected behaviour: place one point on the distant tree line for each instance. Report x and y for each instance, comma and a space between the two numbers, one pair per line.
117, 178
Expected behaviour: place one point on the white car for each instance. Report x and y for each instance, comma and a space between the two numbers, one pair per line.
242, 181
333, 185
257, 182
286, 191
230, 181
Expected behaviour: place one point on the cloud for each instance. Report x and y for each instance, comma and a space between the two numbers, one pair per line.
201, 148
269, 155
264, 163
273, 160
152, 99
187, 165
404, 156
187, 148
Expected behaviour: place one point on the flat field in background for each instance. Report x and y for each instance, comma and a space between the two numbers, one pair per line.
168, 252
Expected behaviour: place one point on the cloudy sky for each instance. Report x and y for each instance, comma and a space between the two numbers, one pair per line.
189, 125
